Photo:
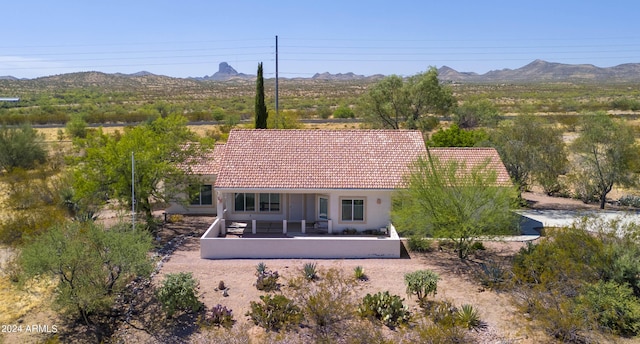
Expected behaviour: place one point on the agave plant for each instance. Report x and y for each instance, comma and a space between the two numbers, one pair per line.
359, 273
468, 317
261, 268
310, 272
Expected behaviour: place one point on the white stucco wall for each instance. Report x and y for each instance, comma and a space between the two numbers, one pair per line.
323, 247
177, 208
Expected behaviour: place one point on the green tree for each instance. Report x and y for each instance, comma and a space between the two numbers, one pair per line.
21, 148
285, 120
92, 264
76, 127
261, 108
453, 200
343, 111
606, 155
531, 150
476, 112
395, 103
456, 137
163, 150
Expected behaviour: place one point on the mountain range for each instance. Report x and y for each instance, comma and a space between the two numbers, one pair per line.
543, 71
536, 71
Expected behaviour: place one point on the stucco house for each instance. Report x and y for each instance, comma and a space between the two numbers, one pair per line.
295, 193
207, 169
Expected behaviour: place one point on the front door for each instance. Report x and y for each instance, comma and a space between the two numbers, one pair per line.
323, 208
296, 207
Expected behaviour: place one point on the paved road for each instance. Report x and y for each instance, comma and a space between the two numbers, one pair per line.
533, 219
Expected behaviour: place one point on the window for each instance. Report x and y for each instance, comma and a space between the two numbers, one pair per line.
352, 210
269, 202
204, 196
245, 202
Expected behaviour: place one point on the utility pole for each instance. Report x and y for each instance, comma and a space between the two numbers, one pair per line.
133, 192
276, 74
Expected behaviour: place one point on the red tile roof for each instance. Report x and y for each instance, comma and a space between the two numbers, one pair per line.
210, 162
318, 159
474, 157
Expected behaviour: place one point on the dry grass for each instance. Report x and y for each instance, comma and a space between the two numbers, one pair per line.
17, 301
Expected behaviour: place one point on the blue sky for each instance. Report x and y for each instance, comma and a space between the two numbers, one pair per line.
190, 38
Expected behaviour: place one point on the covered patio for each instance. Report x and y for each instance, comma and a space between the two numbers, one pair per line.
271, 241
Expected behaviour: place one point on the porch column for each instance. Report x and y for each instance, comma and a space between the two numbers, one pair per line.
253, 226
220, 205
223, 227
304, 226
329, 226
284, 226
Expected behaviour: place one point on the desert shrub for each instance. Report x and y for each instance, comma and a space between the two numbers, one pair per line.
477, 246
275, 312
420, 244
218, 114
310, 272
445, 244
476, 112
566, 259
625, 104
76, 128
613, 306
175, 218
284, 120
455, 136
359, 273
387, 308
421, 283
468, 317
22, 226
239, 334
267, 280
570, 122
178, 293
343, 112
324, 111
435, 334
625, 270
442, 313
327, 305
630, 201
492, 274
21, 147
581, 278
219, 316
427, 123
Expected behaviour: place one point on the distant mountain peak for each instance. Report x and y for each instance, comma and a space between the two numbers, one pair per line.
225, 69
226, 72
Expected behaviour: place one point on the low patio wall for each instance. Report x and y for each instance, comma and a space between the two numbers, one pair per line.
299, 246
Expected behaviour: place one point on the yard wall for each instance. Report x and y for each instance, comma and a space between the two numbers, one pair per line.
329, 246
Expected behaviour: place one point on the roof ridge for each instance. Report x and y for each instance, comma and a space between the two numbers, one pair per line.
332, 130
461, 148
